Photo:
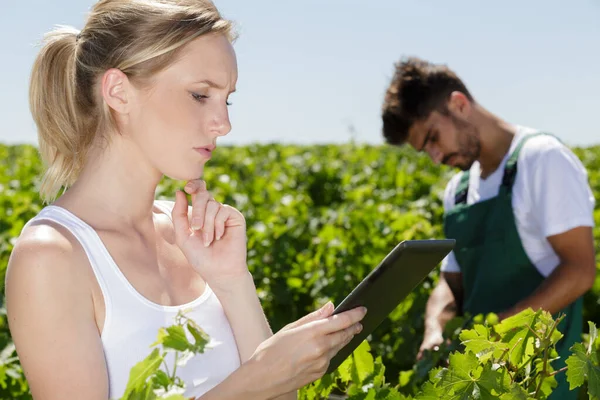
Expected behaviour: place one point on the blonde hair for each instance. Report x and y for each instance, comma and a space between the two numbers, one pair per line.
138, 37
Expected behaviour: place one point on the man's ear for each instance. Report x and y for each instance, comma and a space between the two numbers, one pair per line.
459, 105
116, 90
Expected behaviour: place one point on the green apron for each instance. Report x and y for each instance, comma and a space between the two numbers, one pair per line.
496, 271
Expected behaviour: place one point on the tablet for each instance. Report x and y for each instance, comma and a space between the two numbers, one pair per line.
388, 284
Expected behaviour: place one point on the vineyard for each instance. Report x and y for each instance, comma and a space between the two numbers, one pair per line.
319, 218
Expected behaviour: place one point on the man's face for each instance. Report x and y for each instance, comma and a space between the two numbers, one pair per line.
447, 139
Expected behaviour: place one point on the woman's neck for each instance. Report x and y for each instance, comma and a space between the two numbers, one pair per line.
116, 183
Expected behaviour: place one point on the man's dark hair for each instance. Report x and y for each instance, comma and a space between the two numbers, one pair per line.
417, 88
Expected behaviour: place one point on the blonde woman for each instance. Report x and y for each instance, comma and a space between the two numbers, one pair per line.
139, 93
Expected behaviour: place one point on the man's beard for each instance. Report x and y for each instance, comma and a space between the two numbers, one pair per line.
469, 144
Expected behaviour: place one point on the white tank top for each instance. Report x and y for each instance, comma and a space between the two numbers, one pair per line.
132, 321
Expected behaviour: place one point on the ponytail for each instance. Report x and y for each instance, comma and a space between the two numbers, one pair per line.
52, 100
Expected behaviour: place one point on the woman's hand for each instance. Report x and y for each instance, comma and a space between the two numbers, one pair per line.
212, 236
300, 352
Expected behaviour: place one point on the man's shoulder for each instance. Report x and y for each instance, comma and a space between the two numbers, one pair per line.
540, 146
545, 159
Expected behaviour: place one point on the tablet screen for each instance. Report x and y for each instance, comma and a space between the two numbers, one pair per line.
388, 284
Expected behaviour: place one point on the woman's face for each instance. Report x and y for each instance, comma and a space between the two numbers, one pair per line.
175, 122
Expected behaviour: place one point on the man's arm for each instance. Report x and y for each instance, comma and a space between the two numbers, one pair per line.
573, 277
562, 206
444, 304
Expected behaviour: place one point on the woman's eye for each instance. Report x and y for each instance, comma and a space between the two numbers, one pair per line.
202, 97
199, 97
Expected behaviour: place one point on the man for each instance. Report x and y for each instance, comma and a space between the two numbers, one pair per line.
521, 209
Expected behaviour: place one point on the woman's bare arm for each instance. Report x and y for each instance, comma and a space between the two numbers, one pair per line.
51, 317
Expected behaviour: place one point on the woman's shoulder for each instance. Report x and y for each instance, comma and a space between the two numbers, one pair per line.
45, 256
42, 238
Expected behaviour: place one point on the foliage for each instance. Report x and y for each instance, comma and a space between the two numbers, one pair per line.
510, 360
147, 381
319, 218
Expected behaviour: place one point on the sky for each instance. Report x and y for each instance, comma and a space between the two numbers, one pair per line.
315, 71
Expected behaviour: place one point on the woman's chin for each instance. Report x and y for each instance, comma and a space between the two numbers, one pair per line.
188, 175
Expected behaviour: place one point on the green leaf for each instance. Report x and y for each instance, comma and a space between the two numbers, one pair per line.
161, 379
478, 341
516, 331
378, 376
162, 334
370, 395
593, 336
577, 366
322, 387
465, 379
581, 367
548, 385
201, 338
344, 370
391, 394
142, 371
294, 282
405, 377
429, 392
494, 380
307, 393
516, 392
363, 365
516, 322
176, 339
457, 380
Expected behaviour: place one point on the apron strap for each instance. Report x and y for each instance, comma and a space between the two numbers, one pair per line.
462, 190
510, 170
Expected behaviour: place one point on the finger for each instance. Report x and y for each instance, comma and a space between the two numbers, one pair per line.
341, 321
208, 228
234, 217
194, 186
321, 313
179, 214
338, 340
200, 200
220, 220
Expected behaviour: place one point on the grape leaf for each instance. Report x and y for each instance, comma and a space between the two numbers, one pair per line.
142, 371
581, 367
478, 341
362, 366
516, 331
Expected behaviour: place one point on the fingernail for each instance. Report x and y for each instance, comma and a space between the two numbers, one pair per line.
326, 307
364, 310
359, 329
206, 242
196, 224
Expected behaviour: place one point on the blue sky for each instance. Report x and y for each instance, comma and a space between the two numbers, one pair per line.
315, 71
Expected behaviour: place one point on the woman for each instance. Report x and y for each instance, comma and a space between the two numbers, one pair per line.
139, 93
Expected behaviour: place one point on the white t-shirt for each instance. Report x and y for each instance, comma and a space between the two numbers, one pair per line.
551, 195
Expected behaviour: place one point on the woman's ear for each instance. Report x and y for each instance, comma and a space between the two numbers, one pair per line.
116, 90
